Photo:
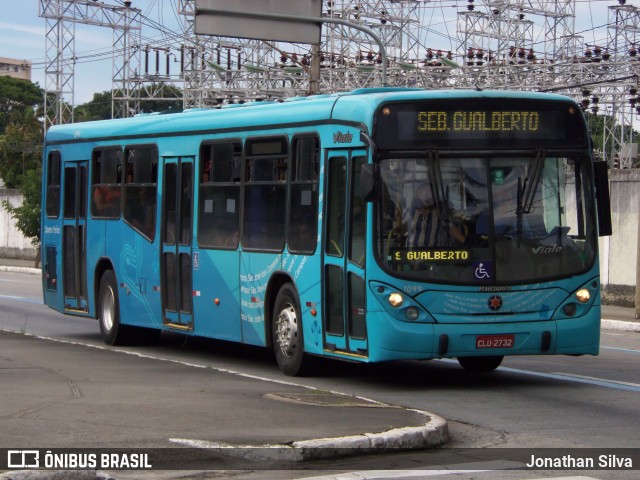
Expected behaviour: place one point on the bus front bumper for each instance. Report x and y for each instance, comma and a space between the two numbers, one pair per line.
396, 340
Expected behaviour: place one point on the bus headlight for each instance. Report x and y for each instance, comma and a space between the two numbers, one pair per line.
583, 295
395, 299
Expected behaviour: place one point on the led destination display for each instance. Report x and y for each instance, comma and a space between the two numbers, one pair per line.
479, 124
438, 121
410, 255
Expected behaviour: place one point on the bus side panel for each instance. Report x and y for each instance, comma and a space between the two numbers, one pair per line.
215, 277
52, 264
304, 270
255, 271
96, 240
52, 229
136, 263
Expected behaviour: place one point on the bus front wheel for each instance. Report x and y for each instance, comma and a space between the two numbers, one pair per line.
113, 332
480, 364
286, 332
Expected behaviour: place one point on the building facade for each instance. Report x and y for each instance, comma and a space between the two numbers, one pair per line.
15, 68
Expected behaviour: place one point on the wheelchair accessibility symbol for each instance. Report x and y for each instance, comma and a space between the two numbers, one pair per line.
483, 270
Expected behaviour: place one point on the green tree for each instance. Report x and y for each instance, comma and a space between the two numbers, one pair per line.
603, 127
97, 109
20, 147
15, 96
149, 104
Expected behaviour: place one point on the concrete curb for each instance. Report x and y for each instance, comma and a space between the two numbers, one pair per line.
620, 325
34, 271
434, 433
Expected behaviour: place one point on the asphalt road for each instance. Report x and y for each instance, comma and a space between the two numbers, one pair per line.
531, 402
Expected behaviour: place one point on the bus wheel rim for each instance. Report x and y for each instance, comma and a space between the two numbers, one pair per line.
108, 309
287, 330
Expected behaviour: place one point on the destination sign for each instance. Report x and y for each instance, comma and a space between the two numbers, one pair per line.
480, 124
441, 255
438, 121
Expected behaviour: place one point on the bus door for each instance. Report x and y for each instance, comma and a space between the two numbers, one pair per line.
177, 228
74, 246
345, 223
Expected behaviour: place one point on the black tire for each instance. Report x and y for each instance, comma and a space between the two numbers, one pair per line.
480, 364
286, 332
113, 332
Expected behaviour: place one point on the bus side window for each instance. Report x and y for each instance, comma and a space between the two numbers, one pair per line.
265, 194
53, 185
106, 181
141, 189
302, 232
219, 202
358, 220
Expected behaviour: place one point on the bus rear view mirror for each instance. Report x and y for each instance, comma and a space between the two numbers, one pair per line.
368, 182
603, 201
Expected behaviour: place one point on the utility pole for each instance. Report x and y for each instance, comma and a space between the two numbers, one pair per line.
314, 78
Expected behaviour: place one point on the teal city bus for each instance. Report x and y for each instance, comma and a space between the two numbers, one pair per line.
376, 225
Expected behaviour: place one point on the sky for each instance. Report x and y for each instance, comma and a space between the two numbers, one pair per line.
22, 35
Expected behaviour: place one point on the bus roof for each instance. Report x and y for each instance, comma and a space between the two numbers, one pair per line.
356, 107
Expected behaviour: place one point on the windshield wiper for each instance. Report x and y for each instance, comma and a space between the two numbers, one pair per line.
436, 179
527, 189
440, 192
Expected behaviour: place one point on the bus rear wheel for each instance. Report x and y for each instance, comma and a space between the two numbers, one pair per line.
286, 332
480, 364
113, 332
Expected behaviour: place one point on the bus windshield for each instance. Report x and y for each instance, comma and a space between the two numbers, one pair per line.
500, 219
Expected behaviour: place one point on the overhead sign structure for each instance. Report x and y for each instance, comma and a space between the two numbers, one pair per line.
261, 19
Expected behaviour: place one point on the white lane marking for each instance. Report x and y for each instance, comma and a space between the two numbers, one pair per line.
629, 350
602, 382
598, 381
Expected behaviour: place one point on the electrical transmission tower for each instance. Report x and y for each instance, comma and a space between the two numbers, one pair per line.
134, 79
61, 18
217, 70
532, 45
501, 44
500, 47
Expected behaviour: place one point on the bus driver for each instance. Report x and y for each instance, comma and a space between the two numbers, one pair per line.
427, 227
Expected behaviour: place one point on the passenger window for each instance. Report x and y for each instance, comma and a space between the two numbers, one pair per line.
219, 203
141, 189
53, 185
358, 220
336, 194
302, 233
70, 188
265, 194
106, 181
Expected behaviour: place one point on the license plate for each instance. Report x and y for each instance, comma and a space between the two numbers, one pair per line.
495, 341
